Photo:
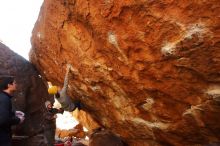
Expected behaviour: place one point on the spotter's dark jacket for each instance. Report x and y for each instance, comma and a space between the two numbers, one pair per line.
7, 117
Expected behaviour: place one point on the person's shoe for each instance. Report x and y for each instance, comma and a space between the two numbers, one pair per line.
78, 105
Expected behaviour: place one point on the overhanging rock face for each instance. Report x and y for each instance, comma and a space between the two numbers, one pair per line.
29, 97
147, 70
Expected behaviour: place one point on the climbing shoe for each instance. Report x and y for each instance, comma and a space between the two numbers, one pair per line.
78, 104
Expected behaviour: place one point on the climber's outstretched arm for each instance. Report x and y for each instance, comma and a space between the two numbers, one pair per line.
66, 79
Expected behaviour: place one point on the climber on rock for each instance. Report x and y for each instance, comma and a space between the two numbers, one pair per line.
61, 95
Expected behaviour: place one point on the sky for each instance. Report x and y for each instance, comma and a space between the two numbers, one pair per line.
17, 21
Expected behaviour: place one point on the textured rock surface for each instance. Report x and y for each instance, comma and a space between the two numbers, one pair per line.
77, 132
105, 138
30, 96
148, 70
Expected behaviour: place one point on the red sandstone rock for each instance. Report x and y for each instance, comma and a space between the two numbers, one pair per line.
29, 97
77, 132
147, 70
105, 138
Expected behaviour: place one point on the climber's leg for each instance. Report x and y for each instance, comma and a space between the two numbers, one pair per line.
75, 104
78, 104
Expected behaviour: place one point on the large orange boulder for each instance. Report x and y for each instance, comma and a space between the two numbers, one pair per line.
147, 70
